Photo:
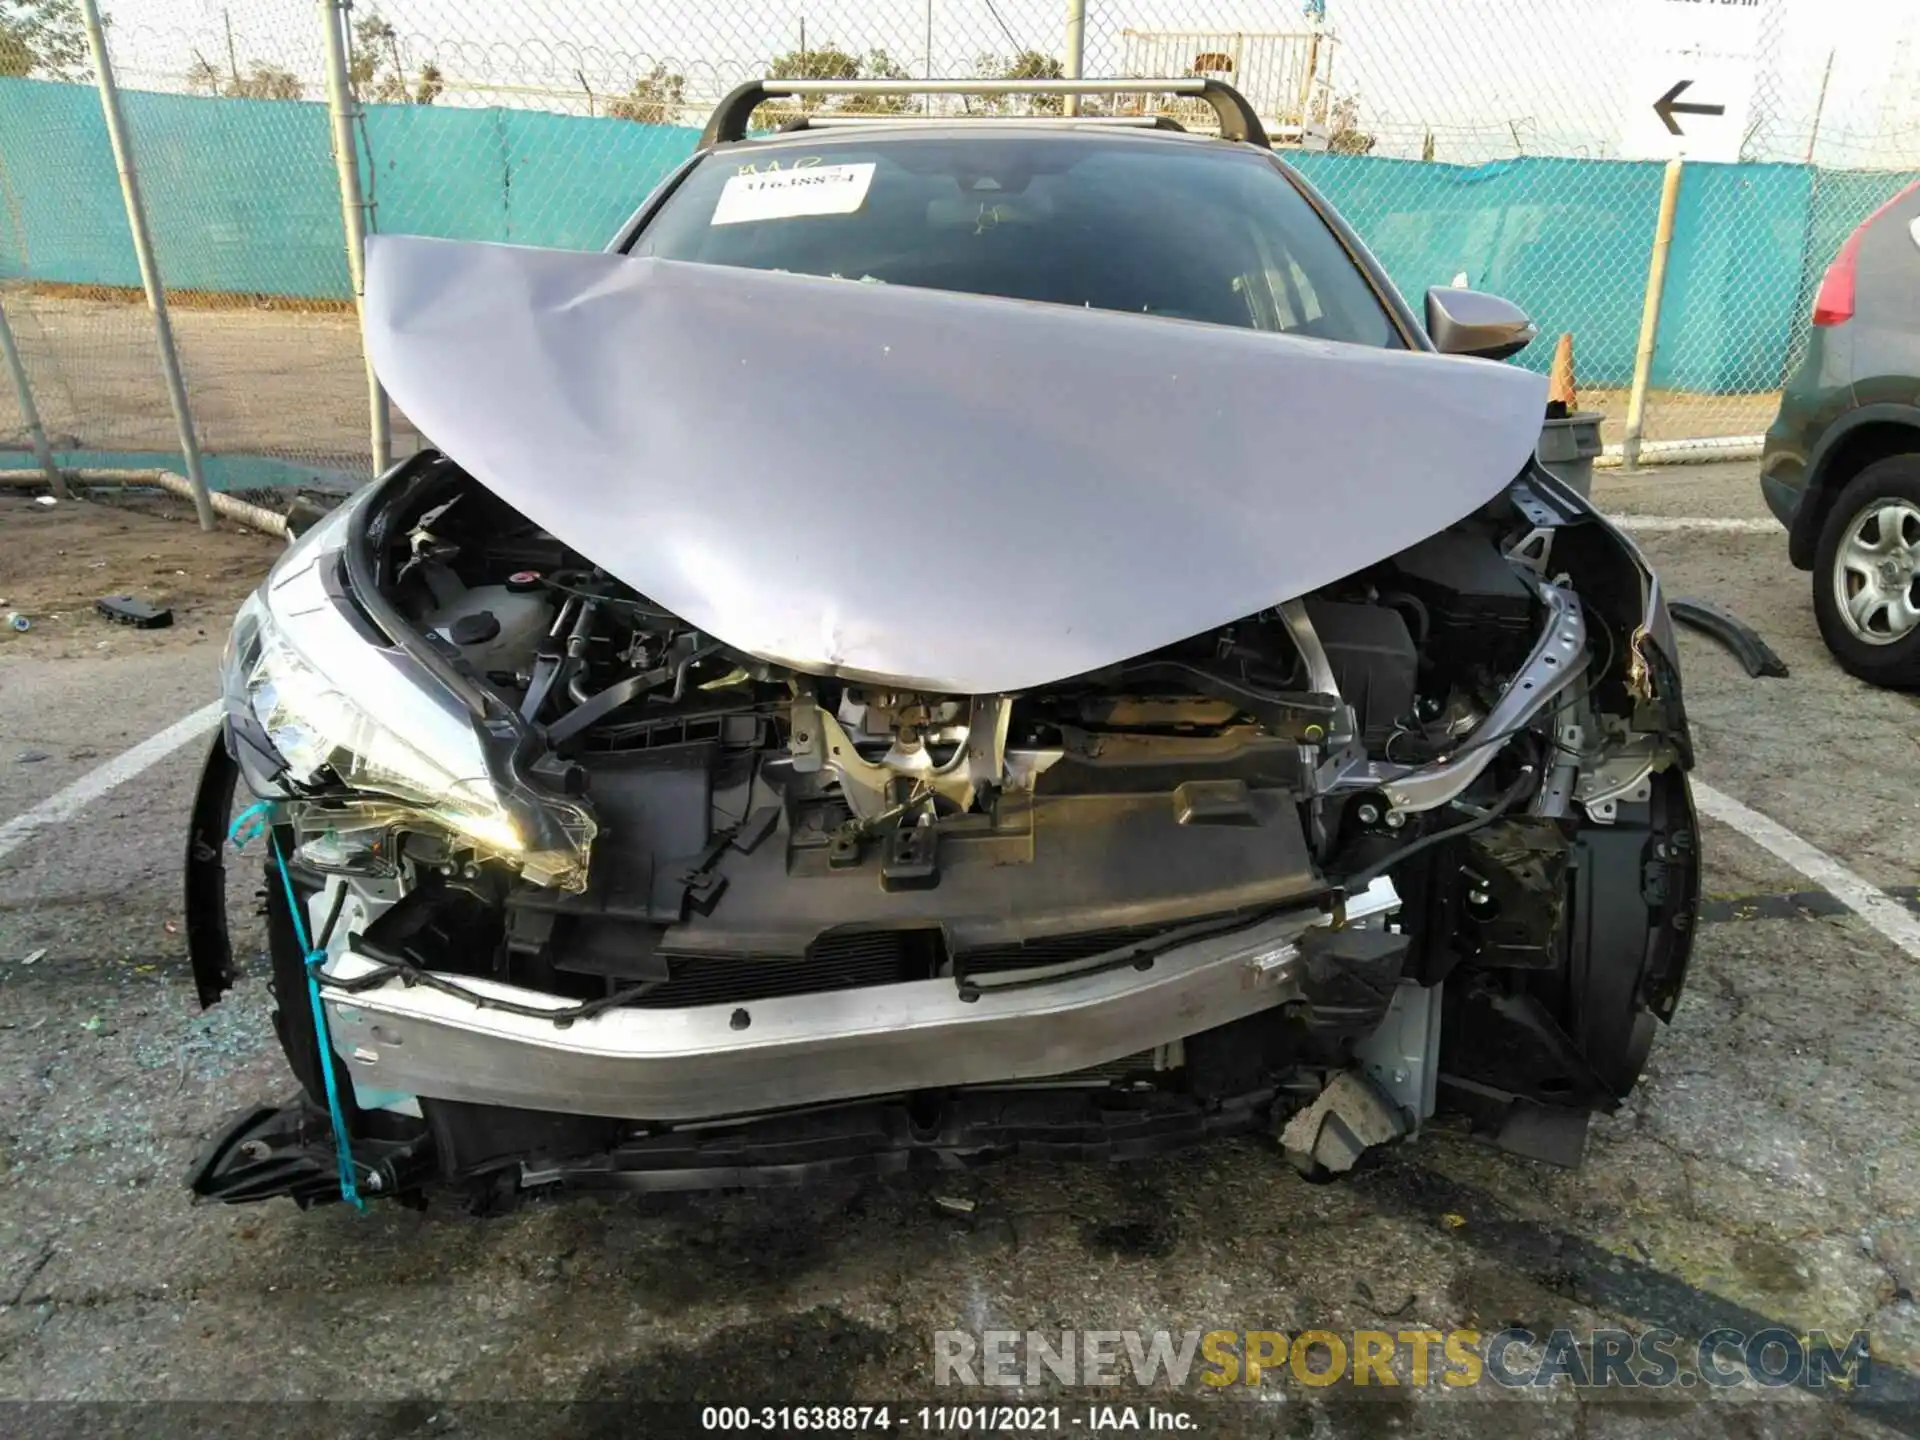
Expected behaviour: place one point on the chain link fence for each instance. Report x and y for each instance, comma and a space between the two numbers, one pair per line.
227, 125
1502, 144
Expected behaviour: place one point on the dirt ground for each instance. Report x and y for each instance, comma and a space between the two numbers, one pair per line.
1682, 415
260, 381
291, 383
1766, 1173
57, 559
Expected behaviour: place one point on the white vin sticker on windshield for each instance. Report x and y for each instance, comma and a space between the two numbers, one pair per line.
782, 194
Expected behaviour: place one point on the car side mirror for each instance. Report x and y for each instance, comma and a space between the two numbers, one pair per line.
1472, 322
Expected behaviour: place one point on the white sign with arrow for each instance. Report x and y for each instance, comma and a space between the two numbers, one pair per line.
1691, 87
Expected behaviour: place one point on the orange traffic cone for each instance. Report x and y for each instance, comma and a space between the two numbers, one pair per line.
1560, 377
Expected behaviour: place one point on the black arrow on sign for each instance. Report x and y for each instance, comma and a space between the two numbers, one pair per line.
1670, 105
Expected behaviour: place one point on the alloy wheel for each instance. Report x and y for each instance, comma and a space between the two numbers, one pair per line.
1876, 572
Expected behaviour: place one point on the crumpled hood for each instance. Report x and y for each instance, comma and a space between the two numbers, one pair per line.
945, 492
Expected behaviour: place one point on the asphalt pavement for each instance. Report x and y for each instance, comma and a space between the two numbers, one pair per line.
1766, 1173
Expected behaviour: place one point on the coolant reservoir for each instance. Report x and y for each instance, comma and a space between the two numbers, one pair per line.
494, 627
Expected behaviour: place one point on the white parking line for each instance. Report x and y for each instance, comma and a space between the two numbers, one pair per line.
1870, 903
65, 804
1654, 524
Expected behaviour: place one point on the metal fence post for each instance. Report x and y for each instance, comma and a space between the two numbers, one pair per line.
143, 252
344, 108
29, 412
1650, 315
1075, 58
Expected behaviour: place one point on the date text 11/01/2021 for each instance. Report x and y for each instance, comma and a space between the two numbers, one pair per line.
954, 1419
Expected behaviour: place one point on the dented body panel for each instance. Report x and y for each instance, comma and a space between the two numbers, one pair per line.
949, 492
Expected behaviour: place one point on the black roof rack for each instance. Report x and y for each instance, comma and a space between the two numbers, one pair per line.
1238, 120
854, 122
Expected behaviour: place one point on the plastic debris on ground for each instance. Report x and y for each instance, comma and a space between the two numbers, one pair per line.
126, 610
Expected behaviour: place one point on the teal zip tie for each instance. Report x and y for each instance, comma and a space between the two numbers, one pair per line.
249, 823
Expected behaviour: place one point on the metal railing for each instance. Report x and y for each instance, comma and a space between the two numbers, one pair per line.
1230, 110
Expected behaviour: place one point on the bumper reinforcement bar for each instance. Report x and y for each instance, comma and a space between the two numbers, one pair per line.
711, 1061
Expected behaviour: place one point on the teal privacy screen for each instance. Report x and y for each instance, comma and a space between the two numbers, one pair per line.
240, 199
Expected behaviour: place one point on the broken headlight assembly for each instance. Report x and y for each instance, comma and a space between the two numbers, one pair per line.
350, 727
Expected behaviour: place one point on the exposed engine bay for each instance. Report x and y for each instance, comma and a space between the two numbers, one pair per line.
1460, 768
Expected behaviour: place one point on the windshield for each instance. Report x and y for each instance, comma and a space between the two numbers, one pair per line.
1214, 234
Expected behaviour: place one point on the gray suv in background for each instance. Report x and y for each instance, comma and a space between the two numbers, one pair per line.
1841, 467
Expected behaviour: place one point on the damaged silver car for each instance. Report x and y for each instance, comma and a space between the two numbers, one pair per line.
950, 638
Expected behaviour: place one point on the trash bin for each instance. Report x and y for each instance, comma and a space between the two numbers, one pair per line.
1567, 447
